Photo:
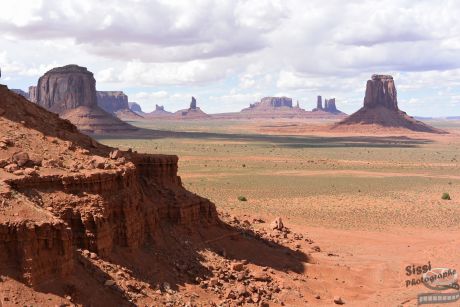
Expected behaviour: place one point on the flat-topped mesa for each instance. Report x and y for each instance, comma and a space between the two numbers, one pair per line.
112, 101
64, 88
381, 91
276, 102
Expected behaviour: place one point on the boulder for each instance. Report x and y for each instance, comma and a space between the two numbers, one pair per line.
277, 224
20, 158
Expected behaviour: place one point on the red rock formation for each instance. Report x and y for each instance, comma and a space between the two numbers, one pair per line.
33, 94
65, 88
193, 112
160, 112
381, 91
81, 195
70, 91
272, 102
381, 108
112, 101
135, 107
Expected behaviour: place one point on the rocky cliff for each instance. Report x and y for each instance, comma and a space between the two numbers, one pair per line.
381, 109
33, 94
62, 192
70, 91
65, 88
112, 101
381, 91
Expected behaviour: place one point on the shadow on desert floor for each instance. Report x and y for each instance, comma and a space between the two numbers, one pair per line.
288, 141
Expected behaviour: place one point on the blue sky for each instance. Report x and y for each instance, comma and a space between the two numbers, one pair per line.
229, 54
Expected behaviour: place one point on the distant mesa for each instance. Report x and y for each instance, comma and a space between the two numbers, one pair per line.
116, 102
270, 103
381, 108
193, 112
20, 92
159, 112
70, 91
135, 107
329, 106
112, 101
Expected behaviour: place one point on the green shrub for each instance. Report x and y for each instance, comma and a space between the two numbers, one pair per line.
445, 196
242, 198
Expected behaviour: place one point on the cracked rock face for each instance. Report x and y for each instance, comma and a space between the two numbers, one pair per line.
381, 91
65, 88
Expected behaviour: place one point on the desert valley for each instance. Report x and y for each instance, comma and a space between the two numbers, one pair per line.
294, 207
229, 154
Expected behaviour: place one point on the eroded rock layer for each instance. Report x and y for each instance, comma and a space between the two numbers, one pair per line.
61, 191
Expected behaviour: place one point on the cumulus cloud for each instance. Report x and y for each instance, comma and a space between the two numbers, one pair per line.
239, 48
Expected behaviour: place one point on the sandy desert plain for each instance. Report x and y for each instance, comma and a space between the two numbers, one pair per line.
370, 201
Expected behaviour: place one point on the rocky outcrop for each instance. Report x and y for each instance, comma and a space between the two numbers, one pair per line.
70, 91
273, 102
381, 91
193, 112
329, 106
193, 104
33, 94
319, 103
160, 112
66, 88
112, 101
381, 109
36, 250
81, 196
135, 107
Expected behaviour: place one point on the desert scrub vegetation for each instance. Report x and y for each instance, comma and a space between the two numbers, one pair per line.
242, 198
445, 196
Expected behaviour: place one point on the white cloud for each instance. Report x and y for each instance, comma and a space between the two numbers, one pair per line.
226, 49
